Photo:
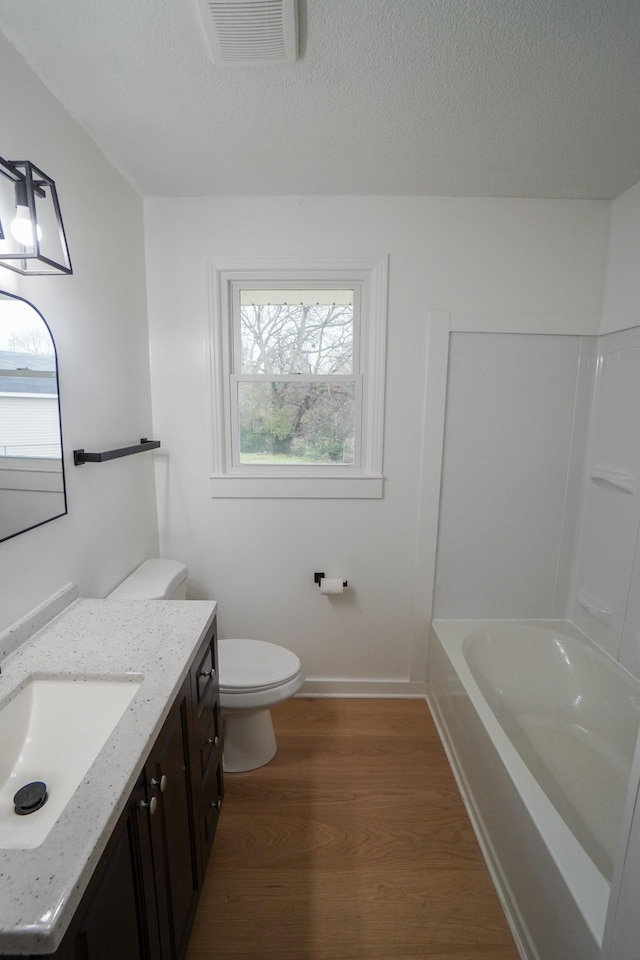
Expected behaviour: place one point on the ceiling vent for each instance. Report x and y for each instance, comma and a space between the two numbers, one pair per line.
250, 32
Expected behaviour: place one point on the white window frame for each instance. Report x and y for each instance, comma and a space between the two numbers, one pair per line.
364, 480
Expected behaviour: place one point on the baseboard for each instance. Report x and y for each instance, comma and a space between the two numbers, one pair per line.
364, 688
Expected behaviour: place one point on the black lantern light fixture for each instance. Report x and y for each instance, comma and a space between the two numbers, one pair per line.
32, 237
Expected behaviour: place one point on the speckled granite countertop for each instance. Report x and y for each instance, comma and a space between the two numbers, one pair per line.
40, 888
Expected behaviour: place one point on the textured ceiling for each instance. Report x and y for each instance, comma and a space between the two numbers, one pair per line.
528, 98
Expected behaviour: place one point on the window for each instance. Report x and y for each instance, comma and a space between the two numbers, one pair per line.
298, 379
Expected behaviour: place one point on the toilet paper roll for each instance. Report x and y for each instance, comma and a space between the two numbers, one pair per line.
332, 585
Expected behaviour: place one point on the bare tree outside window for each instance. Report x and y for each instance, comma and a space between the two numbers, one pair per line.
296, 389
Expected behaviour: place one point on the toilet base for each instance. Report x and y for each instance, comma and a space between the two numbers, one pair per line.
249, 740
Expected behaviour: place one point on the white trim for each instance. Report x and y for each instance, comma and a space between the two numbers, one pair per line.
369, 487
432, 443
371, 276
500, 321
379, 689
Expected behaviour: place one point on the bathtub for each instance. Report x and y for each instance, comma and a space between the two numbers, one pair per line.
540, 729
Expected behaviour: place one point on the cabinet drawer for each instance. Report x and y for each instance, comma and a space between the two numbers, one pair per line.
209, 735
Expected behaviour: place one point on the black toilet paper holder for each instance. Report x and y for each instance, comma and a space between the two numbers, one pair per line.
317, 577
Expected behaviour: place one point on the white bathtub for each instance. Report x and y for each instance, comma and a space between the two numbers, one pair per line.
540, 728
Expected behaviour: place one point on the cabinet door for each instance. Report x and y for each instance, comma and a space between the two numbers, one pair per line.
168, 778
117, 917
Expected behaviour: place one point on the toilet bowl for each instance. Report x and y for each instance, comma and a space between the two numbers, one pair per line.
253, 675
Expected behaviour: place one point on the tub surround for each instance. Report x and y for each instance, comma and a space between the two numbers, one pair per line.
555, 896
116, 639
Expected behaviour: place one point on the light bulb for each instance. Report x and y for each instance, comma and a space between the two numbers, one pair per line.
22, 229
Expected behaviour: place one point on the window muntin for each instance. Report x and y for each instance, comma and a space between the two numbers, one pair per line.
296, 386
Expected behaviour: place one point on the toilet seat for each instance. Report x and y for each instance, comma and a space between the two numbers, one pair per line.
255, 665
254, 674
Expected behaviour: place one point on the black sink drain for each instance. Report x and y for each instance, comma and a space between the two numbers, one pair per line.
30, 798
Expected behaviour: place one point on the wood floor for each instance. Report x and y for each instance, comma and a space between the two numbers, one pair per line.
352, 844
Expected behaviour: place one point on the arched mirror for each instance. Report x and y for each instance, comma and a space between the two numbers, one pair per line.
32, 487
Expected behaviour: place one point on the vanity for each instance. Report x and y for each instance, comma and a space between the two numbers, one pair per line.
120, 869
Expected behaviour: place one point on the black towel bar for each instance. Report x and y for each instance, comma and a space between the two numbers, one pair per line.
81, 456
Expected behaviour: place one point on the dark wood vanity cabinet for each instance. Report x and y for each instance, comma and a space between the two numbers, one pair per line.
141, 900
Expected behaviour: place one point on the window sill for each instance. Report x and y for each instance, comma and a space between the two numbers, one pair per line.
363, 487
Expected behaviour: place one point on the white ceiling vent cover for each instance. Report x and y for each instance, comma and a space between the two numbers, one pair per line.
250, 32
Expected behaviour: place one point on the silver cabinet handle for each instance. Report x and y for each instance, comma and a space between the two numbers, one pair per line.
151, 806
216, 804
208, 673
213, 742
162, 783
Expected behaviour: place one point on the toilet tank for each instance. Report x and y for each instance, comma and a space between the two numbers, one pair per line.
154, 580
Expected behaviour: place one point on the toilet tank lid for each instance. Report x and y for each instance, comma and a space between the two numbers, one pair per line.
152, 580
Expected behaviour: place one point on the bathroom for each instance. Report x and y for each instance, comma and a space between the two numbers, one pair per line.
131, 328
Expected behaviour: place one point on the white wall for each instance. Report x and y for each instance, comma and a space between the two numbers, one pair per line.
98, 320
621, 307
529, 266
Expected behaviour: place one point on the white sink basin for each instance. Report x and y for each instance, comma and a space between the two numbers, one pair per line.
52, 730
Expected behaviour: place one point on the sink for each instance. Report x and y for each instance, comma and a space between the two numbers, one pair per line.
52, 730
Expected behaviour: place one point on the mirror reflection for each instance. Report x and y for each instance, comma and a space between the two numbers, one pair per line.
32, 487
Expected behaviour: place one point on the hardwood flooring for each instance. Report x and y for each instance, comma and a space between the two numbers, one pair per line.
352, 844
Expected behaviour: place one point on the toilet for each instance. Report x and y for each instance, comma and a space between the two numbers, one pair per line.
253, 675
